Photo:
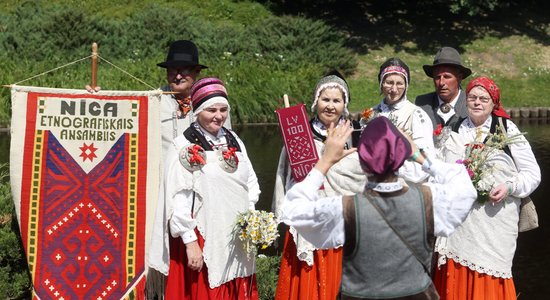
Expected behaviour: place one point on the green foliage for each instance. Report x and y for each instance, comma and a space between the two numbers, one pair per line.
14, 277
260, 59
475, 7
267, 274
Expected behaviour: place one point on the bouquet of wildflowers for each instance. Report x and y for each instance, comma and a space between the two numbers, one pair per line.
477, 159
256, 228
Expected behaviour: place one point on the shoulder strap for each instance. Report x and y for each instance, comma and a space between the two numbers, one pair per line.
502, 121
348, 205
379, 210
456, 125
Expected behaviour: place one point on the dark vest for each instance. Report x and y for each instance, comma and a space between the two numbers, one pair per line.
196, 137
380, 265
429, 103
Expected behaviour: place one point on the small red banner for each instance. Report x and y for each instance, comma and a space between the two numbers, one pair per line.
298, 140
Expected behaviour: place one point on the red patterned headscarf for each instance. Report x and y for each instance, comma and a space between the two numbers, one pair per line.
493, 90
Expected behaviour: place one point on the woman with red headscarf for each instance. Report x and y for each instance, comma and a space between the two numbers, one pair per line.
475, 262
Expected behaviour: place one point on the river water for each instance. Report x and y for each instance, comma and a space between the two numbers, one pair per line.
531, 268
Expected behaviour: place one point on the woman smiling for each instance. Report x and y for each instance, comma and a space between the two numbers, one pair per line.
208, 182
394, 79
307, 272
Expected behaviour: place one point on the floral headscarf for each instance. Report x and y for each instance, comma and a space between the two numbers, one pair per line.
493, 90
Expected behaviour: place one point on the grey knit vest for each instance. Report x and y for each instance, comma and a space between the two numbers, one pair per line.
381, 265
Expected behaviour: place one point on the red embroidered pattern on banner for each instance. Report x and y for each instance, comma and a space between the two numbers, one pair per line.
83, 232
298, 140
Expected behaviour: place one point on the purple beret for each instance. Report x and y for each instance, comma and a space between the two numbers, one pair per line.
382, 147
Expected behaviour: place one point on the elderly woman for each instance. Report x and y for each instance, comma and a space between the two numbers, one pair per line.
475, 262
208, 177
306, 272
394, 79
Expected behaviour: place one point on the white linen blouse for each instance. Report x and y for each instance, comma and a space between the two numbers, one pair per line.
487, 240
417, 123
320, 220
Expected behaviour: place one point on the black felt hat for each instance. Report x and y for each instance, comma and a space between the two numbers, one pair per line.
447, 56
182, 53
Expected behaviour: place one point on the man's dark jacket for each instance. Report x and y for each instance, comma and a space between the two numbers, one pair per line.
429, 103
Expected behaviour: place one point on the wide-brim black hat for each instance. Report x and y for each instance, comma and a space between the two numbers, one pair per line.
182, 53
447, 56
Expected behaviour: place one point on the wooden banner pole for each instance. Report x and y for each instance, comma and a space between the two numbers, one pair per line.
285, 99
94, 65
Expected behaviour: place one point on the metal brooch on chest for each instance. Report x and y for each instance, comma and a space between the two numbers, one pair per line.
228, 160
192, 157
445, 108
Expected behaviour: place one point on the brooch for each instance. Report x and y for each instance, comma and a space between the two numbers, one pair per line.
192, 157
445, 108
228, 159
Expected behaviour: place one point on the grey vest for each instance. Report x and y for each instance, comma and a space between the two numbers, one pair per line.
381, 265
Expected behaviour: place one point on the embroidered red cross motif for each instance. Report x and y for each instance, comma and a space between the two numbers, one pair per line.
88, 152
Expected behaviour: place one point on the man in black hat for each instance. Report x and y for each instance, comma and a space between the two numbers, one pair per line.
182, 69
448, 103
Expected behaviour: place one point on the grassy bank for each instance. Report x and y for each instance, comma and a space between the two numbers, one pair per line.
263, 51
519, 65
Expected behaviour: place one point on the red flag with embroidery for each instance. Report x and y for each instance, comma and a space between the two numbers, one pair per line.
298, 140
84, 170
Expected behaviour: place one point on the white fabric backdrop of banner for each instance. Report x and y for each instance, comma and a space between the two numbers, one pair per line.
84, 171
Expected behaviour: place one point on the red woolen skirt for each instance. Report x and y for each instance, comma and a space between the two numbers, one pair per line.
454, 281
297, 280
184, 283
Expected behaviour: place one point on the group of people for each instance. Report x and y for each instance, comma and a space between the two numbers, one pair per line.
384, 214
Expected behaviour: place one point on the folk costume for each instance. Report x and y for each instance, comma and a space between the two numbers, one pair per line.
406, 115
307, 272
208, 177
386, 230
441, 113
475, 262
